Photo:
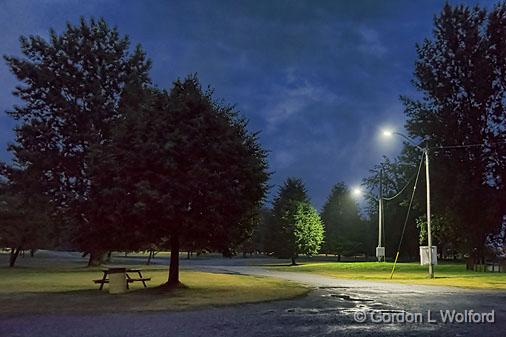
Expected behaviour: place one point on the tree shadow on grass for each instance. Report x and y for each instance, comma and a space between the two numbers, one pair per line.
287, 264
91, 301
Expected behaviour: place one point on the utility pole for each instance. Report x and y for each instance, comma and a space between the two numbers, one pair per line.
429, 231
380, 207
380, 250
425, 151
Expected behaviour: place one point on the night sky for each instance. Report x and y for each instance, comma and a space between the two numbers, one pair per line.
319, 79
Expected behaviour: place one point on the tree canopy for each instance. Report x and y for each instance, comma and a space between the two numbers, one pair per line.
71, 97
460, 74
181, 166
307, 229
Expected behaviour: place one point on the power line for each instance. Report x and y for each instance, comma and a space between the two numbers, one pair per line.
465, 145
402, 190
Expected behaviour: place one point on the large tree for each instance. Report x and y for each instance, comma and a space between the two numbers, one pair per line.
71, 94
181, 167
460, 73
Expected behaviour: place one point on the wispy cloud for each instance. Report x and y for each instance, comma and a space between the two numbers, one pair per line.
295, 96
283, 159
371, 42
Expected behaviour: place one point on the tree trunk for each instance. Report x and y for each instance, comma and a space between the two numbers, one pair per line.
14, 256
293, 261
96, 259
338, 257
150, 256
174, 262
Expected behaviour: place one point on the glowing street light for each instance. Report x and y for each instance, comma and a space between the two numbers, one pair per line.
356, 192
387, 133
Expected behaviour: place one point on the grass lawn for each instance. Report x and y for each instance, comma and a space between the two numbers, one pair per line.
447, 274
67, 289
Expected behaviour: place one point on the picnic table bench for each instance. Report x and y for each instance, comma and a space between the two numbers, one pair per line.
129, 278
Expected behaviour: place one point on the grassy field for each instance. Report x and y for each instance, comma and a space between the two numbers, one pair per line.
68, 288
447, 274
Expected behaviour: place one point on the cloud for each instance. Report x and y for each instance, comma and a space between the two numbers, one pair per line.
294, 97
371, 43
283, 159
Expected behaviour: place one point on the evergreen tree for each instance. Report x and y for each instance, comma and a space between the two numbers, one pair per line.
291, 192
344, 229
295, 226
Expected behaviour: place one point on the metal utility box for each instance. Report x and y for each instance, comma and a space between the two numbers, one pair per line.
117, 280
424, 255
380, 252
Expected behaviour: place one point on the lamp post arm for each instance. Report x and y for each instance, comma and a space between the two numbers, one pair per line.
410, 141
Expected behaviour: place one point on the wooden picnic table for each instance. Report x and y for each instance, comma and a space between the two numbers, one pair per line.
129, 279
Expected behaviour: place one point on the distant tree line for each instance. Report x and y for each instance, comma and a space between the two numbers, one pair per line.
293, 227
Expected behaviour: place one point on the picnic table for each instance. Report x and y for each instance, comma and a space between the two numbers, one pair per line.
129, 279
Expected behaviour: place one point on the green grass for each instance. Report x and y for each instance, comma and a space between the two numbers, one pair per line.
447, 274
69, 289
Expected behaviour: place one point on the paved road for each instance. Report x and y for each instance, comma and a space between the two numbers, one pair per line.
329, 310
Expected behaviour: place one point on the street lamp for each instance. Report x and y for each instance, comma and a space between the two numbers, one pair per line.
356, 192
425, 151
387, 133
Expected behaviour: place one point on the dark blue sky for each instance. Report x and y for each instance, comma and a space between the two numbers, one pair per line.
318, 78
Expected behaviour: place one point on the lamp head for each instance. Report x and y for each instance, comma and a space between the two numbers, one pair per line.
356, 192
387, 133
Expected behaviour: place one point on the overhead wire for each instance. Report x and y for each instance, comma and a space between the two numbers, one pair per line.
402, 190
464, 146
